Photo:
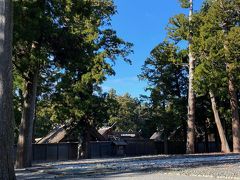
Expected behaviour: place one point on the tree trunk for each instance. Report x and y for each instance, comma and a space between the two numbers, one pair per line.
34, 124
235, 115
206, 137
165, 138
85, 144
6, 104
79, 154
191, 96
182, 118
24, 148
233, 102
224, 143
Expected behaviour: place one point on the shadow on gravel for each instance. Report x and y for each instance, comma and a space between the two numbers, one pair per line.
115, 167
141, 158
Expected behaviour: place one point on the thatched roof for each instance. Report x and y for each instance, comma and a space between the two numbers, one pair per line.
60, 133
105, 131
175, 134
55, 136
157, 136
94, 133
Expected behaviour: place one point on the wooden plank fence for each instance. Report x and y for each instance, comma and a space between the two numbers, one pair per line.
103, 149
55, 152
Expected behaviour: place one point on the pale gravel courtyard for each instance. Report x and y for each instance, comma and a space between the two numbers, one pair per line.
162, 167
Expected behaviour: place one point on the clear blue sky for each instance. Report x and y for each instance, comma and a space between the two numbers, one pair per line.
141, 22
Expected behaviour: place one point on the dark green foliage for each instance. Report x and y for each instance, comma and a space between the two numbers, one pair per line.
71, 46
126, 113
167, 79
209, 46
178, 28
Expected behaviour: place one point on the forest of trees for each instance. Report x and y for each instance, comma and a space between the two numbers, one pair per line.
63, 50
199, 83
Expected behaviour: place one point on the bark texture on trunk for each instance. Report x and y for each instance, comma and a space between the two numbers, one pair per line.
6, 104
191, 96
224, 144
235, 115
165, 137
206, 137
233, 101
85, 144
24, 147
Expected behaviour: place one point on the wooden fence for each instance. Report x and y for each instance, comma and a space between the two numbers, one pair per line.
55, 152
102, 149
146, 147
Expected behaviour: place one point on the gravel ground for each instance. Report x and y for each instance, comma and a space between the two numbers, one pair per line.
211, 166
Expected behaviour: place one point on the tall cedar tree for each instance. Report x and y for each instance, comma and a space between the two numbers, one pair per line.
6, 109
191, 96
81, 63
167, 83
207, 78
190, 146
233, 17
218, 54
